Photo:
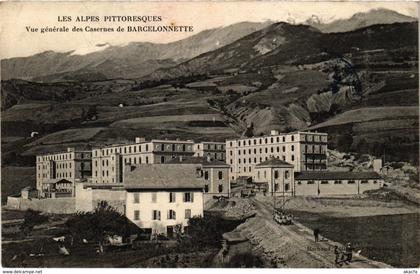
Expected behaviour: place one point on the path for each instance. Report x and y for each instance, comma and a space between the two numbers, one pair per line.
293, 246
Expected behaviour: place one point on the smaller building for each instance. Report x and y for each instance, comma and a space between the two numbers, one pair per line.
161, 197
277, 175
54, 188
29, 192
213, 174
330, 183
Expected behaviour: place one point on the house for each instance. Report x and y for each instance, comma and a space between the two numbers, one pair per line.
306, 151
325, 183
214, 174
58, 188
162, 197
277, 175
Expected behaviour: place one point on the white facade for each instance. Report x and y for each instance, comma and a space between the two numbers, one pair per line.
280, 180
108, 162
71, 165
304, 150
161, 210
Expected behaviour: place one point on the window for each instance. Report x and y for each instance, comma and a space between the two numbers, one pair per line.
337, 182
276, 174
276, 187
136, 198
293, 157
206, 188
188, 197
375, 182
220, 188
364, 182
350, 182
299, 182
154, 196
187, 213
136, 215
284, 149
206, 175
324, 182
220, 175
286, 174
162, 159
293, 138
156, 215
171, 215
286, 187
293, 148
172, 197
311, 182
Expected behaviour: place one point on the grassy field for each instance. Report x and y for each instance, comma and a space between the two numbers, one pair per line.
371, 114
13, 179
68, 136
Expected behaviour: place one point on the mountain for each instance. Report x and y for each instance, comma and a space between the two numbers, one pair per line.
282, 43
126, 61
361, 87
360, 20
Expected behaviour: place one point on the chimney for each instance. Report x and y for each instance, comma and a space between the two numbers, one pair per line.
274, 132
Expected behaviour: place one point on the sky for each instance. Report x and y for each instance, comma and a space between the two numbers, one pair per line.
16, 41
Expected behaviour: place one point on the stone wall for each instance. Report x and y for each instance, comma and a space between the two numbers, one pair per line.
57, 206
88, 198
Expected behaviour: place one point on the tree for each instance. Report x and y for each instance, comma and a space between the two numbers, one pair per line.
97, 225
208, 230
31, 219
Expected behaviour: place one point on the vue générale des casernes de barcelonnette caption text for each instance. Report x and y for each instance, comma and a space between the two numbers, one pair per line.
141, 25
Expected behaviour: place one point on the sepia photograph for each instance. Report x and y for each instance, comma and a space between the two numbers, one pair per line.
246, 134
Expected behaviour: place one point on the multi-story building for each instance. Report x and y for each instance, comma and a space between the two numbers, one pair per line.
160, 197
277, 175
214, 174
108, 162
304, 150
216, 150
57, 173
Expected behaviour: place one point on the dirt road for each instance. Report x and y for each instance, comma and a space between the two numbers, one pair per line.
293, 245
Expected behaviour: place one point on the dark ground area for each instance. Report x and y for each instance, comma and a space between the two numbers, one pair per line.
393, 239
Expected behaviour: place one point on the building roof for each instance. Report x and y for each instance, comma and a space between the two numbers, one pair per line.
274, 162
279, 134
161, 176
198, 160
335, 175
56, 181
28, 188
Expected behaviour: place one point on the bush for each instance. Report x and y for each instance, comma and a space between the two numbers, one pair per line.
103, 221
245, 260
31, 219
